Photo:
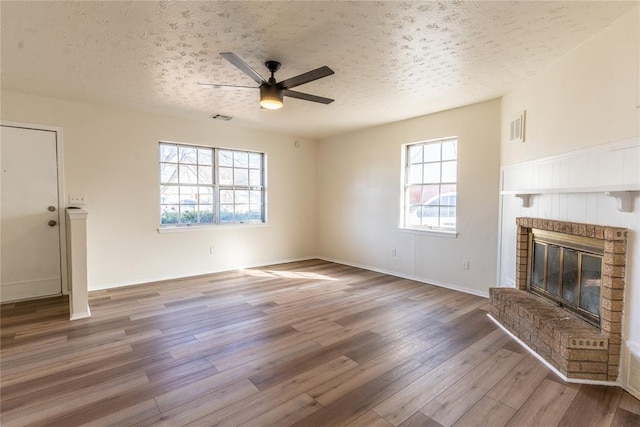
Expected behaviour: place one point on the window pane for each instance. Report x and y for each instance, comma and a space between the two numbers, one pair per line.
242, 196
226, 213
168, 173
205, 195
240, 177
168, 153
431, 173
168, 214
448, 217
450, 150
188, 214
169, 194
255, 212
188, 195
414, 193
255, 178
432, 152
226, 196
415, 174
205, 214
430, 194
413, 218
241, 213
448, 189
255, 197
187, 154
449, 171
255, 161
226, 158
429, 214
205, 156
205, 175
188, 174
240, 159
415, 153
226, 176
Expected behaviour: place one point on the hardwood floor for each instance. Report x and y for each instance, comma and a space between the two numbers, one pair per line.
307, 344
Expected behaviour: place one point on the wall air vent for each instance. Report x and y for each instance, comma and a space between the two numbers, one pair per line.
221, 117
516, 127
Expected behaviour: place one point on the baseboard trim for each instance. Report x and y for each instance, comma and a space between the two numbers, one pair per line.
81, 315
205, 273
406, 276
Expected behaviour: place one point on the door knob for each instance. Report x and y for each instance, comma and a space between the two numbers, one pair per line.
51, 208
52, 223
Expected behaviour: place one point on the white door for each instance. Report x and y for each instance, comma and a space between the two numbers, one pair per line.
30, 230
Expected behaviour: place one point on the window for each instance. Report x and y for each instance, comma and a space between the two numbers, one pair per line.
430, 175
206, 185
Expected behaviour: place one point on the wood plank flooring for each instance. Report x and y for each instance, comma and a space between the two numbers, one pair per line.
310, 343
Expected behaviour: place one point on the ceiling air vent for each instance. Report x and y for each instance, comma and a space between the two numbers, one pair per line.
221, 117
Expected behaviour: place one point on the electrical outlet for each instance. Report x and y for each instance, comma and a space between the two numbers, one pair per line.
75, 199
393, 252
465, 264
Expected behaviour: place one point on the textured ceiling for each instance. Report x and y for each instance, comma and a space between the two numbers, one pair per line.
392, 60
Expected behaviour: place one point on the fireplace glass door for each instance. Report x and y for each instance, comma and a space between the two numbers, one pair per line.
567, 272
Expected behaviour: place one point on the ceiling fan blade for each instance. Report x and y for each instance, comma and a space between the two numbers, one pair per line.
215, 85
307, 77
242, 66
307, 97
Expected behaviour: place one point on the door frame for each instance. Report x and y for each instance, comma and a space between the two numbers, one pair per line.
62, 206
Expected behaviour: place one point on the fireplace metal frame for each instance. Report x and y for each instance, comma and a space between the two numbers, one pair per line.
583, 245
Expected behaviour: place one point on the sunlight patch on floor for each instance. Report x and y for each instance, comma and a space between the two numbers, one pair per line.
287, 274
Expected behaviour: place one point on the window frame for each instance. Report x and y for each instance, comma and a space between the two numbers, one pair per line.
216, 188
408, 209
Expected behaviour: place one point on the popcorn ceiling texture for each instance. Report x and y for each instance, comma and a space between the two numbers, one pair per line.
393, 60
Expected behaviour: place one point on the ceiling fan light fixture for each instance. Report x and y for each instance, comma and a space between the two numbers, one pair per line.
271, 97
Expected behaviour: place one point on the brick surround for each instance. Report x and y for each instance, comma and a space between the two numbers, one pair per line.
577, 349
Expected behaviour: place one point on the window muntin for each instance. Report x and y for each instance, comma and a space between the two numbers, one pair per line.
207, 185
430, 185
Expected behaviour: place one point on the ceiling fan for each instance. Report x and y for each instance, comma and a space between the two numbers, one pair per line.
272, 92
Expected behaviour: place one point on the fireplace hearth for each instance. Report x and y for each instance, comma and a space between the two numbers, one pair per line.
579, 335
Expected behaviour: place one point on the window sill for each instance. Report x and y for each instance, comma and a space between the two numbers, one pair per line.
163, 230
431, 232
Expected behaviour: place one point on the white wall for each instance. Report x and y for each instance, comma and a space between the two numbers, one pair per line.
582, 121
111, 156
360, 194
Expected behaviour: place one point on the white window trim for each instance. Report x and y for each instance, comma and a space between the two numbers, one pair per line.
436, 232
187, 227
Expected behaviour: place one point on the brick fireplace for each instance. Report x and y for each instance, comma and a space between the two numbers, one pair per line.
577, 349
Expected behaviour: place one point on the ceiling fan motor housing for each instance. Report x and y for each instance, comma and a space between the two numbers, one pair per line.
271, 96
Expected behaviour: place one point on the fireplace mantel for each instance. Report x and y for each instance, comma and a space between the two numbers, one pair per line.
624, 194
